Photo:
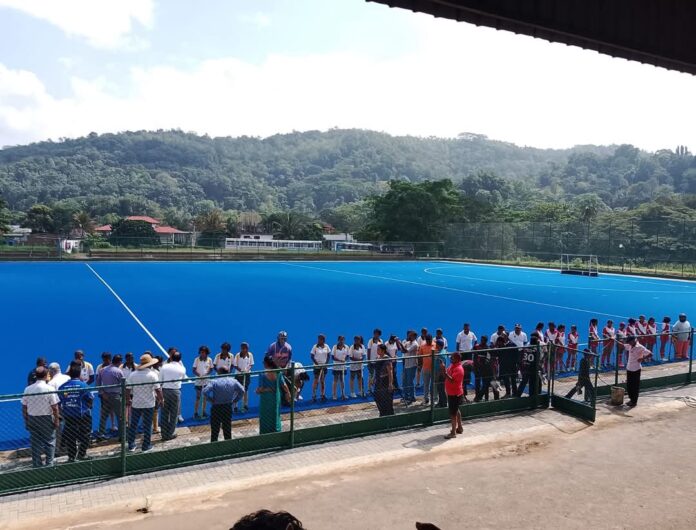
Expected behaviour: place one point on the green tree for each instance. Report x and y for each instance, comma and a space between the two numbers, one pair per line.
83, 222
4, 217
39, 219
133, 234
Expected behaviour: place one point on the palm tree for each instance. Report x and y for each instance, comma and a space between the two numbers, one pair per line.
212, 221
83, 222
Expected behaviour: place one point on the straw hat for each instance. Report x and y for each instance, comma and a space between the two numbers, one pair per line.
146, 360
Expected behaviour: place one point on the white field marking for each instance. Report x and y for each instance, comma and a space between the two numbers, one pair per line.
137, 320
429, 270
459, 290
615, 275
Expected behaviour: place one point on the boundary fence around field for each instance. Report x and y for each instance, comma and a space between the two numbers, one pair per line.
536, 384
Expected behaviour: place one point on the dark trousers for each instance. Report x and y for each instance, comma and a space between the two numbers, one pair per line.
440, 388
76, 436
528, 378
396, 379
586, 385
221, 416
485, 388
383, 397
146, 415
633, 385
42, 436
169, 412
510, 382
110, 403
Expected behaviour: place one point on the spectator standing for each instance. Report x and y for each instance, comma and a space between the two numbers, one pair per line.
641, 329
109, 380
372, 348
244, 362
486, 363
146, 393
454, 388
394, 346
320, 358
621, 334
411, 358
593, 335
518, 337
466, 340
357, 354
87, 375
608, 343
439, 335
76, 408
56, 377
128, 368
270, 385
280, 351
41, 418
509, 355
421, 340
222, 392
171, 374
202, 368
573, 340
106, 361
682, 335
224, 359
478, 378
560, 345
528, 366
584, 381
636, 354
665, 337
651, 336
384, 382
40, 363
439, 372
497, 333
339, 354
425, 352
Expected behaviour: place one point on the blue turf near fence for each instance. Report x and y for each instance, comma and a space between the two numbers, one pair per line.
51, 309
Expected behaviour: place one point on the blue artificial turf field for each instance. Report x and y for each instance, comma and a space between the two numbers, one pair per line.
51, 309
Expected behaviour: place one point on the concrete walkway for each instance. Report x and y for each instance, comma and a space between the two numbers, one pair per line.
129, 494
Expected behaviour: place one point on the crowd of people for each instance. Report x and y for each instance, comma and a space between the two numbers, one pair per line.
57, 407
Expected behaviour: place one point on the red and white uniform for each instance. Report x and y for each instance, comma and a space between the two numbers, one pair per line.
664, 332
651, 337
573, 339
593, 337
551, 336
641, 331
631, 330
560, 342
609, 336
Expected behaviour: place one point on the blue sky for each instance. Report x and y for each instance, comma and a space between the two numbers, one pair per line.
257, 67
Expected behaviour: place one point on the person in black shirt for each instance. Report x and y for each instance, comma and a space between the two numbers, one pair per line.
584, 380
31, 378
528, 367
508, 355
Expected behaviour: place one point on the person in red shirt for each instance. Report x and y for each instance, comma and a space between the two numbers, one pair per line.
651, 336
560, 344
454, 377
609, 336
573, 340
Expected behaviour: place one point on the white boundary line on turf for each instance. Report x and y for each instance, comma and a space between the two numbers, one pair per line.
459, 290
137, 320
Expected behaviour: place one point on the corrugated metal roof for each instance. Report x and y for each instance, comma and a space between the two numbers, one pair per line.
657, 32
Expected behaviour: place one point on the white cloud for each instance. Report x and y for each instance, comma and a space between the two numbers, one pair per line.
462, 79
258, 19
103, 23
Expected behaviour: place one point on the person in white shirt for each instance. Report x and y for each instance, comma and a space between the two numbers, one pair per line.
466, 340
171, 374
372, 347
411, 359
87, 375
146, 393
500, 332
518, 337
244, 362
202, 367
636, 353
439, 335
224, 359
356, 353
57, 378
339, 354
394, 346
320, 358
681, 337
41, 418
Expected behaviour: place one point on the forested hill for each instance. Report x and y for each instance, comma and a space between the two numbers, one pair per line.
177, 174
138, 172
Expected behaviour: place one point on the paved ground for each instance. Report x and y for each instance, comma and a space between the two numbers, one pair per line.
205, 487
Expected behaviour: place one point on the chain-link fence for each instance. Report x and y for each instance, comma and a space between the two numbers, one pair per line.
667, 247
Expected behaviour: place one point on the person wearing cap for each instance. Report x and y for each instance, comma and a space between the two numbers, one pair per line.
244, 362
41, 418
40, 363
202, 368
454, 389
76, 408
57, 378
636, 354
109, 382
280, 351
682, 335
584, 381
146, 392
171, 374
518, 337
222, 393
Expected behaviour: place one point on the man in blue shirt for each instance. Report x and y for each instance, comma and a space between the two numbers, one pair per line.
76, 407
222, 392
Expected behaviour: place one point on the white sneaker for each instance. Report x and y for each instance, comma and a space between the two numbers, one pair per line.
299, 398
353, 396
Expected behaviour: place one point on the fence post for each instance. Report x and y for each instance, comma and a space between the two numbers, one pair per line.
124, 422
292, 404
619, 357
691, 355
596, 375
535, 388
